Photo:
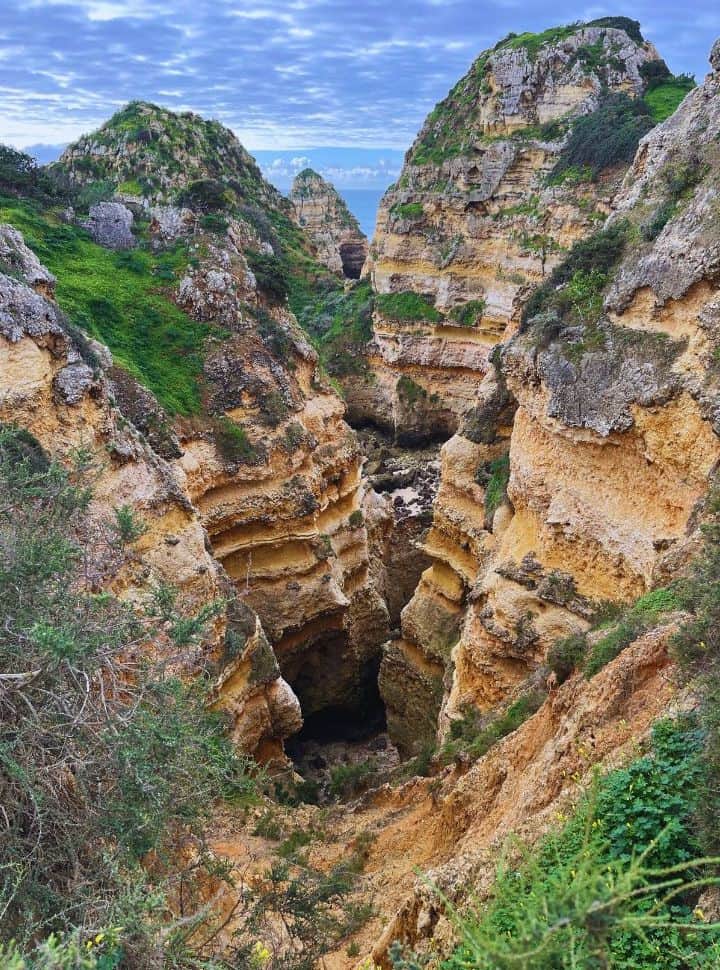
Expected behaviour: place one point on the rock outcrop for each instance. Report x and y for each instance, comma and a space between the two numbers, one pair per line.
576, 475
475, 219
319, 210
57, 388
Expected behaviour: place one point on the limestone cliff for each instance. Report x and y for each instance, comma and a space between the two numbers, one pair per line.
482, 211
55, 384
576, 475
320, 211
269, 468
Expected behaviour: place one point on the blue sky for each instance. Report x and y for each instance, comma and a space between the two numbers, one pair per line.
283, 75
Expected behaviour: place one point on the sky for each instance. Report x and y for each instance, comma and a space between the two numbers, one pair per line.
286, 75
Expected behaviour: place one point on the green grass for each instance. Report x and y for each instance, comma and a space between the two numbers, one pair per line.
407, 306
120, 299
471, 737
533, 43
664, 99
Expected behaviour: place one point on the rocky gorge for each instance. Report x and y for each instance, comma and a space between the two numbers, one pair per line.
436, 516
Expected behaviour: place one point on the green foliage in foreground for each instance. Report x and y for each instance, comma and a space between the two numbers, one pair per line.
119, 298
105, 755
407, 305
663, 99
616, 887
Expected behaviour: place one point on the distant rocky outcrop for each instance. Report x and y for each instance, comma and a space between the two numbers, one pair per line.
322, 213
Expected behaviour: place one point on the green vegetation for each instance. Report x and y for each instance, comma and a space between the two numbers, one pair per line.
532, 43
664, 97
19, 174
470, 314
407, 306
625, 626
616, 887
587, 267
233, 443
410, 392
473, 735
120, 299
271, 273
339, 323
696, 647
607, 137
494, 476
102, 759
407, 210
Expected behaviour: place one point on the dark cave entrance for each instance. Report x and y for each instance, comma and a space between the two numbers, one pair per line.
352, 256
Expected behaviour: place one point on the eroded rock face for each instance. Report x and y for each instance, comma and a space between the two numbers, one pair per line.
68, 403
609, 431
320, 211
472, 223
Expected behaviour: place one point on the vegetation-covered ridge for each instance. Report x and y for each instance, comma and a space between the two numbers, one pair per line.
464, 119
150, 151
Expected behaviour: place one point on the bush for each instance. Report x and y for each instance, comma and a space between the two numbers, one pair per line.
271, 273
616, 887
470, 314
494, 476
407, 210
206, 195
566, 655
474, 734
232, 442
607, 137
407, 306
20, 175
409, 392
102, 758
593, 258
633, 622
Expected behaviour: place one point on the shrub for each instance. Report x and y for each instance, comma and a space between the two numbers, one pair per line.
128, 524
356, 519
566, 655
473, 735
19, 174
469, 314
593, 258
407, 210
102, 758
232, 442
607, 137
407, 306
271, 274
206, 195
409, 392
615, 887
494, 476
633, 622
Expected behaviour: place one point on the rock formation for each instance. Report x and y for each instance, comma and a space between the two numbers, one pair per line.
475, 219
57, 388
335, 231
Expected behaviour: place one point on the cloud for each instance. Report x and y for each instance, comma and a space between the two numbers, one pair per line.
284, 74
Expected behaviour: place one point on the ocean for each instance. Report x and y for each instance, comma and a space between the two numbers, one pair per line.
363, 203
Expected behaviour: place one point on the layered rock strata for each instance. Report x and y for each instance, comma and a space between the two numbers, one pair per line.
608, 427
473, 221
58, 389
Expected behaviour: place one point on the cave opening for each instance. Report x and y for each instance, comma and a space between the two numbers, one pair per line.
352, 256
